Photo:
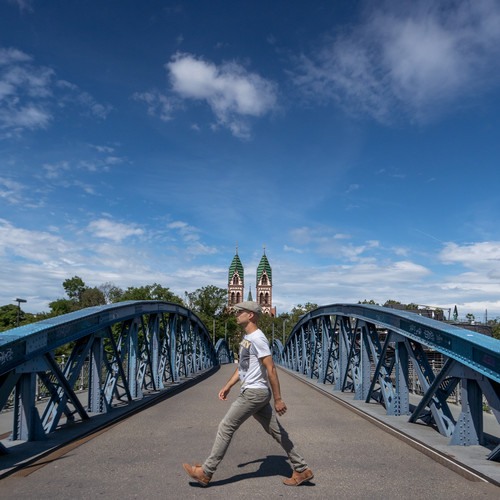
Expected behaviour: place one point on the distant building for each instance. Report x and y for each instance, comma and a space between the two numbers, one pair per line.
264, 284
438, 314
236, 282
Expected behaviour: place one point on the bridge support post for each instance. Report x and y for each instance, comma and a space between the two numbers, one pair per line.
343, 355
402, 396
173, 349
133, 359
363, 386
27, 423
95, 396
469, 427
154, 352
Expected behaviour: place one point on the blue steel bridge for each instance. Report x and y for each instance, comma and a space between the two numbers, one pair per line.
133, 349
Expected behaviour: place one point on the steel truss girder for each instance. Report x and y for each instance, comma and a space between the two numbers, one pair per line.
131, 348
343, 352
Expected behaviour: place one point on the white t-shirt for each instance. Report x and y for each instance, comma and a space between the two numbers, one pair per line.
252, 372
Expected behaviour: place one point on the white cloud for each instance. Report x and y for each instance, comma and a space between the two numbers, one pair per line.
233, 93
104, 149
10, 190
36, 246
115, 231
12, 55
30, 98
35, 263
54, 171
287, 248
24, 117
326, 242
407, 57
188, 232
72, 94
198, 248
484, 255
158, 103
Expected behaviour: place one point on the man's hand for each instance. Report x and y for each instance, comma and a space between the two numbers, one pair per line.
224, 392
280, 407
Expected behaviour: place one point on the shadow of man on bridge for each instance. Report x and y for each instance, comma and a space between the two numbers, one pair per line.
272, 465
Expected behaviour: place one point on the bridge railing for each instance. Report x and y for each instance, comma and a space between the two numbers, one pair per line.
369, 350
120, 350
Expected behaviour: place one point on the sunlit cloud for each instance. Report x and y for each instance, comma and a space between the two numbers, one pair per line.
407, 58
233, 93
115, 231
158, 103
30, 95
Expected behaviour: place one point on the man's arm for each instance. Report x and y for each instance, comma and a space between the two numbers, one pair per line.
225, 390
272, 374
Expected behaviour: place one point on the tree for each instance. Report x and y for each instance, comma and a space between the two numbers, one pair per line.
209, 304
63, 306
111, 292
495, 327
8, 317
208, 300
92, 297
149, 292
74, 287
299, 310
391, 302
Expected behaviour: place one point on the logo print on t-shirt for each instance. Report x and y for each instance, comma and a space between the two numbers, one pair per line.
245, 355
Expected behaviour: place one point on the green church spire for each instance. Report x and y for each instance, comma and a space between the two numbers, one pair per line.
264, 266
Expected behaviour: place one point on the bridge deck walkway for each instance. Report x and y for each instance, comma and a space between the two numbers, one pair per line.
142, 455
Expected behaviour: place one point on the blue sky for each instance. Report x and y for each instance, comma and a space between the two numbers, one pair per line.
358, 141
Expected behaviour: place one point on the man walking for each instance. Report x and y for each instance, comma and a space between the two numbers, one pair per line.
257, 374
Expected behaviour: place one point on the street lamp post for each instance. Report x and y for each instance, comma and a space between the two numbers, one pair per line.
284, 321
19, 308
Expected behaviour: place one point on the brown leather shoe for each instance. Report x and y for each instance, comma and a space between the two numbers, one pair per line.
196, 472
299, 477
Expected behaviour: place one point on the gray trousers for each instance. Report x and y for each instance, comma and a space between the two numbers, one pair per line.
251, 402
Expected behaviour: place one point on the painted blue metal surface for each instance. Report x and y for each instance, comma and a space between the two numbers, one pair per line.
368, 350
130, 347
224, 354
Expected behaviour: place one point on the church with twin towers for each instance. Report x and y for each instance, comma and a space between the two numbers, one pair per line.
263, 284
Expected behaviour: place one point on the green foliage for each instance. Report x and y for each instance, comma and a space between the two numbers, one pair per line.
8, 317
209, 300
92, 297
495, 327
470, 317
148, 292
63, 306
299, 310
111, 292
390, 301
369, 302
209, 304
74, 287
